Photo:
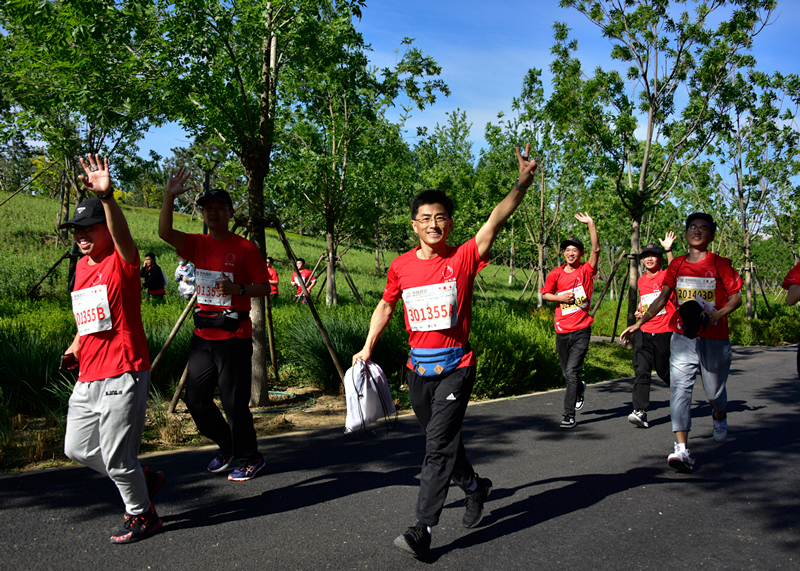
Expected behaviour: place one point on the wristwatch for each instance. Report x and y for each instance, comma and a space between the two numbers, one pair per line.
667, 251
106, 196
241, 291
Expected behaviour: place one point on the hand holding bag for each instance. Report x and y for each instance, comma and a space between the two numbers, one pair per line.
368, 398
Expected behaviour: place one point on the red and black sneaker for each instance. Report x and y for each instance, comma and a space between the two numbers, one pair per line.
155, 481
139, 527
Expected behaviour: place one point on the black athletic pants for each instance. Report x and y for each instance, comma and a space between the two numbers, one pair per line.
440, 404
649, 350
224, 364
572, 348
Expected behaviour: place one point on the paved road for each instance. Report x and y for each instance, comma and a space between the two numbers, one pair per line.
598, 497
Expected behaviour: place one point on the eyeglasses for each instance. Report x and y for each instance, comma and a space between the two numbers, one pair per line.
696, 228
439, 219
215, 208
81, 229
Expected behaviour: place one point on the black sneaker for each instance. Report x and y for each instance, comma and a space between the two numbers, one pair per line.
139, 527
569, 421
220, 462
581, 397
474, 502
416, 540
639, 418
155, 481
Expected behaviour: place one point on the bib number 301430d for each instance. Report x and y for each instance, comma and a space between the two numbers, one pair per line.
91, 310
433, 307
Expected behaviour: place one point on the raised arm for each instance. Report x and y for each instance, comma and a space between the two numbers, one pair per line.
666, 243
503, 211
594, 255
98, 180
172, 190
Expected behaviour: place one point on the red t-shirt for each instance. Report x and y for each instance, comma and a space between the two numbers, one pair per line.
792, 278
576, 316
273, 277
437, 296
107, 306
241, 261
713, 279
306, 273
649, 290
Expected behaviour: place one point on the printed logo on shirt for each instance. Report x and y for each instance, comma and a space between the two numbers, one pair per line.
709, 274
230, 258
447, 273
97, 278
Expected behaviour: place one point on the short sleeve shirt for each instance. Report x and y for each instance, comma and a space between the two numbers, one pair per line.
307, 277
437, 296
114, 344
241, 261
575, 316
273, 277
792, 278
649, 290
713, 279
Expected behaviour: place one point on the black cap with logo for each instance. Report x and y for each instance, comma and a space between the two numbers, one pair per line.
87, 213
572, 241
217, 193
652, 249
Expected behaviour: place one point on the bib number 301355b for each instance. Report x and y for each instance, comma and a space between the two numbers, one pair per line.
432, 307
91, 310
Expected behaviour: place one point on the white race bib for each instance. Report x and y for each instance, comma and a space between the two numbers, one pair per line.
432, 307
690, 288
207, 294
649, 298
91, 310
581, 301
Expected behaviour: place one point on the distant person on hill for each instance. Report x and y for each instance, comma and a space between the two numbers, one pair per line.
651, 342
571, 286
309, 280
184, 275
707, 289
107, 408
230, 270
155, 281
435, 282
791, 283
273, 279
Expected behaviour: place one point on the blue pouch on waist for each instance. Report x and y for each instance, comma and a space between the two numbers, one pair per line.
435, 362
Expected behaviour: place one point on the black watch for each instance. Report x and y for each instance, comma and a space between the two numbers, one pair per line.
667, 251
241, 291
106, 196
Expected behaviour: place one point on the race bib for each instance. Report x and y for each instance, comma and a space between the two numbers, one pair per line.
207, 294
649, 298
91, 310
581, 301
433, 307
690, 288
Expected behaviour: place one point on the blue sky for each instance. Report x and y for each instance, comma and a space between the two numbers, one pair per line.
485, 49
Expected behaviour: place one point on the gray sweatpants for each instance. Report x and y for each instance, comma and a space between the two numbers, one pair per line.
104, 430
712, 358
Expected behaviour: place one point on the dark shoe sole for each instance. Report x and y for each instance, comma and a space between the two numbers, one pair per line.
223, 468
680, 466
568, 426
400, 541
638, 422
150, 532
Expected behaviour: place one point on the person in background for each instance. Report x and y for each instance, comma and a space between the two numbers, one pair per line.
273, 279
184, 275
309, 280
155, 281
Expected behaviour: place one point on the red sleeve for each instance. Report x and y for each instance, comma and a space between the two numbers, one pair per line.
730, 278
392, 292
255, 266
126, 268
551, 282
190, 251
792, 278
671, 275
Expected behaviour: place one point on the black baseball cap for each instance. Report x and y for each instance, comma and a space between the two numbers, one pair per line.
572, 241
693, 319
652, 249
87, 213
219, 194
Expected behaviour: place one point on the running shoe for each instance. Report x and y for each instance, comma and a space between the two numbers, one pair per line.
639, 418
155, 481
247, 470
569, 421
475, 500
220, 462
138, 527
681, 460
581, 397
720, 428
416, 540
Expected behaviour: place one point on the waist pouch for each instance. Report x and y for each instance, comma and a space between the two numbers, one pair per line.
225, 320
436, 362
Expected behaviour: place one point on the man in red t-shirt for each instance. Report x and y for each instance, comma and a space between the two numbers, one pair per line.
708, 280
309, 279
273, 279
791, 283
435, 282
229, 270
651, 343
571, 286
108, 404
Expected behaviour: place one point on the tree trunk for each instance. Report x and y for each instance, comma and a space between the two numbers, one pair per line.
748, 278
63, 211
330, 246
633, 270
511, 261
377, 250
542, 249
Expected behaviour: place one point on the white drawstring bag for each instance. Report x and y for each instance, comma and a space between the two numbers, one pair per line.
368, 398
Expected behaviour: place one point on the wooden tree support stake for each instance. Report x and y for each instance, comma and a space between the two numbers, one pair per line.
616, 317
350, 281
761, 287
50, 271
481, 287
173, 333
608, 285
24, 186
174, 402
524, 289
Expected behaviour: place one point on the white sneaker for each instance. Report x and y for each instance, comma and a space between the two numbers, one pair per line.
639, 418
681, 460
720, 428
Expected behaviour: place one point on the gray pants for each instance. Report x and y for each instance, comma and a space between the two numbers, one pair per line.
104, 429
712, 357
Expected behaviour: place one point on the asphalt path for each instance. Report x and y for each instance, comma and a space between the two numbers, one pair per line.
600, 496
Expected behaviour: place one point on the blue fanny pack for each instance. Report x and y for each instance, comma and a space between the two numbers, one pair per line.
435, 362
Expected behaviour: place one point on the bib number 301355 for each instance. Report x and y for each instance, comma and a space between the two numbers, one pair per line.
432, 307
91, 310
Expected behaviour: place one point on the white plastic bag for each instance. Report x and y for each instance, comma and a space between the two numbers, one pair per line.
368, 397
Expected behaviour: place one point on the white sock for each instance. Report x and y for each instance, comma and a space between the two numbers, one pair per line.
430, 530
474, 485
681, 447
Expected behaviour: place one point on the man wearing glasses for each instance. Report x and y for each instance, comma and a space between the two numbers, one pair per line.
435, 282
707, 289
